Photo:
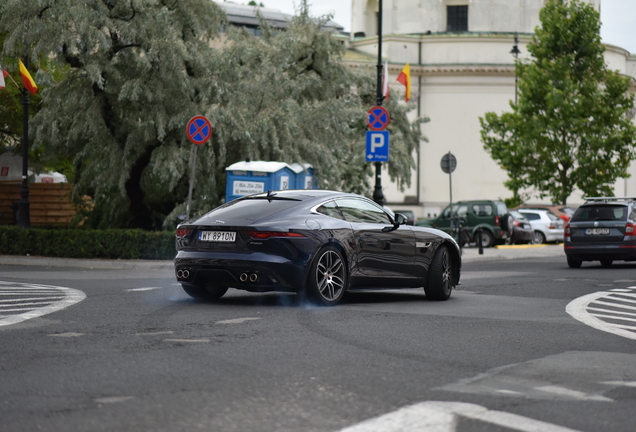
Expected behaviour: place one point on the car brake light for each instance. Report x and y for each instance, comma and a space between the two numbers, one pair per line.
566, 231
496, 220
182, 232
263, 235
517, 223
629, 229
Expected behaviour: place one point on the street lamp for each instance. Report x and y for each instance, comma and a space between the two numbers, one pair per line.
515, 52
378, 196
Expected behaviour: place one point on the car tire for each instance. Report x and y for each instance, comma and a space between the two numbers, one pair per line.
487, 239
539, 238
208, 293
328, 278
606, 262
439, 280
507, 224
574, 262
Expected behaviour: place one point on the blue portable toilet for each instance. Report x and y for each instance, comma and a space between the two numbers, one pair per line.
304, 176
246, 178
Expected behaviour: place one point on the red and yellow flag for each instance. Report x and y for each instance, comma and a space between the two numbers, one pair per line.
405, 78
28, 82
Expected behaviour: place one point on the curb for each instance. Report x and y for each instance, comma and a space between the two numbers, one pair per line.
85, 263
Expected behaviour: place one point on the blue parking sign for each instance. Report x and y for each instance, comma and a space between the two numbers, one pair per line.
377, 146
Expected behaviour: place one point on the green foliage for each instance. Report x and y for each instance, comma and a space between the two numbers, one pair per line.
88, 243
571, 127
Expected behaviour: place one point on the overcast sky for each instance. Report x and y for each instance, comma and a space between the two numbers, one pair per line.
618, 17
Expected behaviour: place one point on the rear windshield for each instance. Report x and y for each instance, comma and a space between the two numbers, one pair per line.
600, 213
251, 209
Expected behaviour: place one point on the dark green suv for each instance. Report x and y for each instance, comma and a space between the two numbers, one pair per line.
491, 216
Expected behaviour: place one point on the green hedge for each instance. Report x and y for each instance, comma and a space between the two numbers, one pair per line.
87, 243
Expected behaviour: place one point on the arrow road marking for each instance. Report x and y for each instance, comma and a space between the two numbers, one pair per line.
22, 301
443, 417
609, 311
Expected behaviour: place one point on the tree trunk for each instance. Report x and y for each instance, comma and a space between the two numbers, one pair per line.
139, 213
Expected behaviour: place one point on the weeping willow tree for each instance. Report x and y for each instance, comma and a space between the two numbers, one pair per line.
130, 74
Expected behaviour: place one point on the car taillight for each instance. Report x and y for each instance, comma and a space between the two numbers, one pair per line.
629, 229
182, 232
263, 235
552, 226
517, 223
566, 231
496, 220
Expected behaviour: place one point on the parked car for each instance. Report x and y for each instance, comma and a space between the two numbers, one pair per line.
602, 229
491, 216
548, 228
522, 232
316, 243
563, 212
410, 216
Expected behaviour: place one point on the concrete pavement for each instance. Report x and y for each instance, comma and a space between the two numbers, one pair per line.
469, 254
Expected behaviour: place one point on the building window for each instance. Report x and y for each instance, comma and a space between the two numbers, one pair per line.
456, 18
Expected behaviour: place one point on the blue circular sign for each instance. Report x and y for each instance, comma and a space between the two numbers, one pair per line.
199, 130
378, 118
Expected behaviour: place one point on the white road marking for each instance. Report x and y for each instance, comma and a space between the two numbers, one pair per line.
114, 399
621, 383
143, 289
586, 310
573, 394
23, 301
157, 333
236, 321
443, 417
187, 340
68, 335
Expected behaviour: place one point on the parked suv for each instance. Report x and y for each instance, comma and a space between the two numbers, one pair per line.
491, 216
602, 229
548, 228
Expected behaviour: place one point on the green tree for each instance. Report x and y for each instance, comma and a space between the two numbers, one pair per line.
572, 126
135, 72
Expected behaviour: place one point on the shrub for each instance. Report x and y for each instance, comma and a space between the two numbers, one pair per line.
87, 243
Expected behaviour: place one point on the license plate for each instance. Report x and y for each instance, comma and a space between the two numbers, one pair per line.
597, 231
217, 236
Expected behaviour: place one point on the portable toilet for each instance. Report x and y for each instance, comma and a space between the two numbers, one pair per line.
246, 178
304, 176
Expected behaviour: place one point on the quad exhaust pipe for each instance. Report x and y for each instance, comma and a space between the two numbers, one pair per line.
183, 274
244, 277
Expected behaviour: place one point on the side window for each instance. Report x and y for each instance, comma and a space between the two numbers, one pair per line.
632, 214
357, 210
482, 210
330, 209
462, 211
532, 216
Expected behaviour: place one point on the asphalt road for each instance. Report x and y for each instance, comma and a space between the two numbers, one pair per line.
524, 343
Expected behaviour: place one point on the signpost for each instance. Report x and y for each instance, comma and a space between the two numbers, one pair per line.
448, 164
199, 131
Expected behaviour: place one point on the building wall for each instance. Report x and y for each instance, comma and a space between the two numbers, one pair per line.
421, 16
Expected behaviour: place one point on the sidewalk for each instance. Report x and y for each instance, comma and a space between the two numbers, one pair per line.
468, 254
513, 252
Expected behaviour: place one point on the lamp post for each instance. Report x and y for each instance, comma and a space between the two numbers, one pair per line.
378, 196
515, 52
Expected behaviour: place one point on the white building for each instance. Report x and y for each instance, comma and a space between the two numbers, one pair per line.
459, 53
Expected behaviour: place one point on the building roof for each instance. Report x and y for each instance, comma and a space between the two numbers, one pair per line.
248, 15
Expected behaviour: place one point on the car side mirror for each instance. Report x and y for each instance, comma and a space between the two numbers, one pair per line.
400, 219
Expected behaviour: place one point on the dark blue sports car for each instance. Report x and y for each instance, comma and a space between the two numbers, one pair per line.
316, 243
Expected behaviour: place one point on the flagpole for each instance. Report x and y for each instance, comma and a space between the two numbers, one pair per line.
24, 216
378, 196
